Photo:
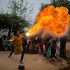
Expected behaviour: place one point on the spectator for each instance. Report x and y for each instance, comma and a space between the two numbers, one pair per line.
63, 47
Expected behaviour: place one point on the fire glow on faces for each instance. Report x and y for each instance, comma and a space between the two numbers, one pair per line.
53, 19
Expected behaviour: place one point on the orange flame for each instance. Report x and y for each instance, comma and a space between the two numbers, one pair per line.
54, 19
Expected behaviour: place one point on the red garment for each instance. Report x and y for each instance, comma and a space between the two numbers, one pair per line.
54, 45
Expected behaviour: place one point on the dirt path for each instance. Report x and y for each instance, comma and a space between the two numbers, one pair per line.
32, 62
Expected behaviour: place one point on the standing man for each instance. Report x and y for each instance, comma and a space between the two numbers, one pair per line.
17, 40
63, 41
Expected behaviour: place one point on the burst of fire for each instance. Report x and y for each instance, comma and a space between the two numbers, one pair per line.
34, 30
54, 19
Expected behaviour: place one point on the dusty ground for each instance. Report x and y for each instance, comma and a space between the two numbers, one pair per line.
32, 62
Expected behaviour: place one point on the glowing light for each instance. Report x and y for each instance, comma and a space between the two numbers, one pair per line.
10, 40
27, 34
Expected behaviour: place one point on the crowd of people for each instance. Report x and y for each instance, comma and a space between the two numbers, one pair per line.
50, 47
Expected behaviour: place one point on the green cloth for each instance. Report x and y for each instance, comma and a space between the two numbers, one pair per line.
48, 52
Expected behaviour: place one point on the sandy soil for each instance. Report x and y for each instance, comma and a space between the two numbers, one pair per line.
33, 62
